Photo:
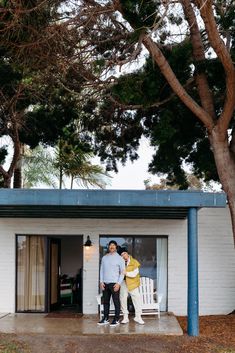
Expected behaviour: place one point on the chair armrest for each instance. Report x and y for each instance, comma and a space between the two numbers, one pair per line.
159, 297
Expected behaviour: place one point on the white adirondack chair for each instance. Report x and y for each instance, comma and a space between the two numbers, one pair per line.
101, 306
149, 299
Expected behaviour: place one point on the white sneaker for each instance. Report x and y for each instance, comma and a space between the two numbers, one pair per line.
125, 320
139, 320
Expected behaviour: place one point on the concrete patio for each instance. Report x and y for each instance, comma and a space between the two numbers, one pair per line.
85, 325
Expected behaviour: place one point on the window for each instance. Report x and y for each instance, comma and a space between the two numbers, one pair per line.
151, 252
30, 273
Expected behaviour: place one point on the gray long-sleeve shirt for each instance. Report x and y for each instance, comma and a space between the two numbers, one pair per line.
112, 267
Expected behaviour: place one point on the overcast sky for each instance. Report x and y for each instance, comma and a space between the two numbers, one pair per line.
132, 175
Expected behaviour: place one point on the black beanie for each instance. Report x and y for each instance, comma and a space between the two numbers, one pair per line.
121, 250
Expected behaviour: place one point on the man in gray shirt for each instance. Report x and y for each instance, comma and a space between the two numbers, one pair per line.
111, 276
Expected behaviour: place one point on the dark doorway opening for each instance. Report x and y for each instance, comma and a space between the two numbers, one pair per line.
65, 268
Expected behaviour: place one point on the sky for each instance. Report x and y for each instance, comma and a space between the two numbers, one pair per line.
133, 174
130, 176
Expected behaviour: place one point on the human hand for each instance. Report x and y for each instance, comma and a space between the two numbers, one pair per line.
116, 287
102, 286
124, 272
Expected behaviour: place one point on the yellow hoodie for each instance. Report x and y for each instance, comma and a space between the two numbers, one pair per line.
132, 282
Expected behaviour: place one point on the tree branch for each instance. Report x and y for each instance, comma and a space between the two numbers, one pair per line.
176, 86
219, 47
171, 78
199, 57
153, 105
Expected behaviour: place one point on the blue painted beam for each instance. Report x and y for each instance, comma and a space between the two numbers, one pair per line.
116, 198
193, 305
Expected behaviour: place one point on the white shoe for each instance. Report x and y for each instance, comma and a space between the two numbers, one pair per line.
125, 320
139, 320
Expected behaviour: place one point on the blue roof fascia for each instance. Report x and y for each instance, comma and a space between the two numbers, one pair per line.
114, 198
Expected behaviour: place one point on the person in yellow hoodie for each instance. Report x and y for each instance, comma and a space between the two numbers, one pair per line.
130, 285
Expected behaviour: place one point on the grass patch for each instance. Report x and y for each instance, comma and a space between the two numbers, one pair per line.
225, 350
11, 347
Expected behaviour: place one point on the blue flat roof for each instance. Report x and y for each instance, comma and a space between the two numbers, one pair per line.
104, 203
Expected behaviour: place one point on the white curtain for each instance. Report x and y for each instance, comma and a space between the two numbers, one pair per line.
162, 271
30, 273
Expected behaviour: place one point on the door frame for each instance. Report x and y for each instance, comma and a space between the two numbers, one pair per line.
136, 236
47, 239
52, 240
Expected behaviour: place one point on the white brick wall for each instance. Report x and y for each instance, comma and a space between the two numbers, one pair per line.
216, 256
216, 262
7, 270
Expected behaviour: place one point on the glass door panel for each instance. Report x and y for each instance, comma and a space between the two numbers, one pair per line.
151, 252
121, 241
54, 284
54, 273
145, 252
30, 273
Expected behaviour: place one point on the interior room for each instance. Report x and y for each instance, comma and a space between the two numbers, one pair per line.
70, 273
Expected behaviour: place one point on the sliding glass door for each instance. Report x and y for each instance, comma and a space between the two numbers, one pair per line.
31, 272
151, 252
55, 246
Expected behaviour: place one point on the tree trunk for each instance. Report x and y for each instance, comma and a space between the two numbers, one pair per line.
71, 185
216, 126
198, 51
61, 178
225, 163
7, 175
7, 181
6, 178
17, 182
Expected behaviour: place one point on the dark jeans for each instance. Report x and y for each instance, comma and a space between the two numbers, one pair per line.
107, 293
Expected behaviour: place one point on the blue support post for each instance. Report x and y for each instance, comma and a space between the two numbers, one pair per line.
193, 306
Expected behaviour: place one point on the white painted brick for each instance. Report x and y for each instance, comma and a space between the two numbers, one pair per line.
216, 256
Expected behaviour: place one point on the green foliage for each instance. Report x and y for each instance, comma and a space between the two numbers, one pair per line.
32, 100
113, 132
109, 129
148, 85
3, 154
139, 13
72, 159
9, 345
22, 25
38, 168
46, 121
45, 167
173, 130
9, 77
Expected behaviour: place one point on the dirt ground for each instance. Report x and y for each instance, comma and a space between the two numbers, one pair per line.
217, 335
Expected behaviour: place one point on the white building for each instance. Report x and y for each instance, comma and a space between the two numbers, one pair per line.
43, 232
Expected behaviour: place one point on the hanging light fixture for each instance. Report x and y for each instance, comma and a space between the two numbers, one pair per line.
88, 242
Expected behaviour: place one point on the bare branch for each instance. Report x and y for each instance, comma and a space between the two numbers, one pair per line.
219, 47
199, 57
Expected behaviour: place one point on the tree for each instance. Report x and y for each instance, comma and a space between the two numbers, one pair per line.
31, 47
194, 183
42, 166
109, 34
13, 102
73, 159
38, 168
208, 27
